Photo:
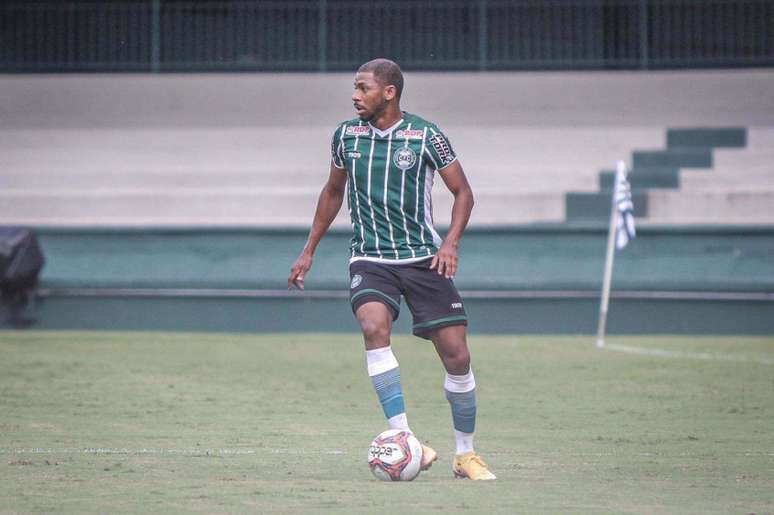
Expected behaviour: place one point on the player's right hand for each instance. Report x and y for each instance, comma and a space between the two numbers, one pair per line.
299, 270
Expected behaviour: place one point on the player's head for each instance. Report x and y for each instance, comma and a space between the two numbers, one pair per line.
378, 83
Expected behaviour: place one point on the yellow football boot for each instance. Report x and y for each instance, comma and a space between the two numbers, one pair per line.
428, 457
471, 466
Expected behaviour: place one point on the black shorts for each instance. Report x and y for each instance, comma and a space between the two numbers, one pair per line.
433, 299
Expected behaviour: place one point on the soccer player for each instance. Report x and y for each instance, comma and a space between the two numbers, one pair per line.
384, 161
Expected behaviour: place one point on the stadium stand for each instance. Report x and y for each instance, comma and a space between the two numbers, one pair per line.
179, 201
223, 150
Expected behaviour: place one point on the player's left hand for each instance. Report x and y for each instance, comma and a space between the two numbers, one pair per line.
299, 270
445, 261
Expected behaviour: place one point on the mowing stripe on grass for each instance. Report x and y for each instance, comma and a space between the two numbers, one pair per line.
152, 451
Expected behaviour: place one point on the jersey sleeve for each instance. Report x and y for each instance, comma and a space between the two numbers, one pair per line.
439, 149
337, 148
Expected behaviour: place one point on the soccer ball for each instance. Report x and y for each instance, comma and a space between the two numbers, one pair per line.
395, 455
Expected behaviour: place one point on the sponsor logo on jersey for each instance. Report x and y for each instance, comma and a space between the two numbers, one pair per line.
356, 280
360, 130
353, 155
456, 305
442, 148
409, 133
404, 158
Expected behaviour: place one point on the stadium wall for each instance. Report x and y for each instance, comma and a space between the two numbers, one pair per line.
529, 279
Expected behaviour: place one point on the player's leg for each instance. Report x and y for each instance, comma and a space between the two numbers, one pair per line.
375, 320
375, 299
439, 316
459, 384
460, 389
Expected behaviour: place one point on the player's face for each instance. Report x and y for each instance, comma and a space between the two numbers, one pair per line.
370, 98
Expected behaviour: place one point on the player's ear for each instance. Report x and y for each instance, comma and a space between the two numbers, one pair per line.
390, 92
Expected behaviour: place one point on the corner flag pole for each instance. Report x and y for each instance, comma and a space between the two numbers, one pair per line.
608, 277
611, 244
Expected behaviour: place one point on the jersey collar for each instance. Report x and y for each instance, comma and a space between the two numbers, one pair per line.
387, 131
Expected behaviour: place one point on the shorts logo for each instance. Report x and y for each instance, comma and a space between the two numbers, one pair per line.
359, 130
456, 305
409, 133
404, 158
356, 280
353, 155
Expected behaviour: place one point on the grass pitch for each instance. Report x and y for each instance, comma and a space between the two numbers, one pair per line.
149, 422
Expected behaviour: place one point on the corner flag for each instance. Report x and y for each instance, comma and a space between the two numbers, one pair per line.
622, 198
620, 232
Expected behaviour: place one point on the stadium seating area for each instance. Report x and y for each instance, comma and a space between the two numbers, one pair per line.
150, 162
235, 150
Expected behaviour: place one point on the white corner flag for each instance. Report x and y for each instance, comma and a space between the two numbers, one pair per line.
622, 200
621, 230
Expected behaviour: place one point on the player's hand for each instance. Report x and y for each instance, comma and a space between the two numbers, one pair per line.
299, 270
445, 261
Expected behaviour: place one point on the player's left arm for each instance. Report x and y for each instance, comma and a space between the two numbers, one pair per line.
445, 261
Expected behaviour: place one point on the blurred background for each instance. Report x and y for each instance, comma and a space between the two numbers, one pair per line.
168, 156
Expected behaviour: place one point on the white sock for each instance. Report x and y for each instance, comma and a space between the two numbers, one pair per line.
456, 387
460, 384
380, 360
399, 421
464, 441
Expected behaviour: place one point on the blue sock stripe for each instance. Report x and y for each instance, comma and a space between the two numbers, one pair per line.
463, 407
386, 379
387, 386
394, 407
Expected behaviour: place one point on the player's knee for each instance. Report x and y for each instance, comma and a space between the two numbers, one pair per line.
457, 359
461, 361
375, 331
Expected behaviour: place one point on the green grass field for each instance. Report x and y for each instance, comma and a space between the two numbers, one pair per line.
149, 422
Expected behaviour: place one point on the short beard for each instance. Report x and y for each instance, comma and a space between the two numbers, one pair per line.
376, 113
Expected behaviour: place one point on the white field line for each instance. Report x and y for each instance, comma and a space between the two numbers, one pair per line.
155, 451
707, 356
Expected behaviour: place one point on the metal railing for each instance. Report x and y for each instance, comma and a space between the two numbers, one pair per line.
167, 35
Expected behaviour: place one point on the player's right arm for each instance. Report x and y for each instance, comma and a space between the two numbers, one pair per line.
328, 206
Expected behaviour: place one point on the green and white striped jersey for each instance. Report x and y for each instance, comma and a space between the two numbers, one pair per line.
390, 179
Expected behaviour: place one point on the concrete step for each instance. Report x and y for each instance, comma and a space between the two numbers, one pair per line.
674, 98
518, 177
641, 178
714, 180
743, 159
596, 206
711, 206
241, 206
150, 181
707, 137
179, 149
678, 158
759, 137
728, 220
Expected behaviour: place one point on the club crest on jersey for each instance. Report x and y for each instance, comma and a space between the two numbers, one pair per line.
356, 280
409, 134
404, 158
358, 130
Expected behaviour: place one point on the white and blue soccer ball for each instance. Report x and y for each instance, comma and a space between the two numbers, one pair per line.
395, 455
